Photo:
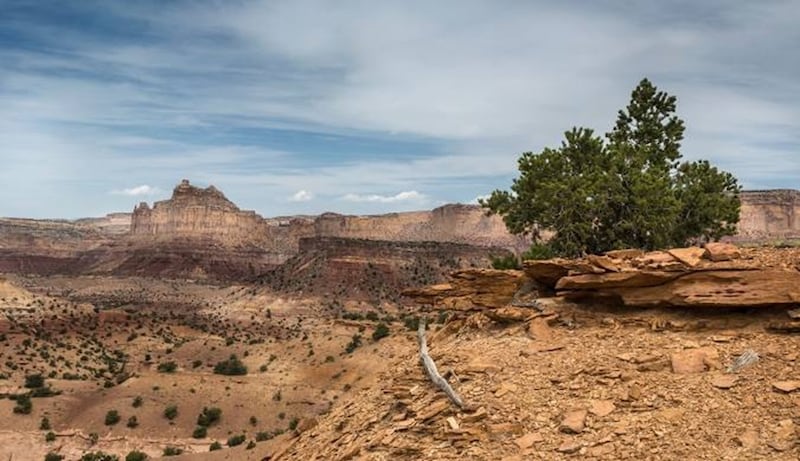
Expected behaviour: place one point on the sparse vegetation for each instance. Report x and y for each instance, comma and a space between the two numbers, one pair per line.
171, 412
354, 343
167, 367
505, 262
137, 402
172, 451
136, 456
215, 446
99, 456
133, 422
209, 416
112, 417
230, 367
52, 456
200, 432
236, 440
381, 331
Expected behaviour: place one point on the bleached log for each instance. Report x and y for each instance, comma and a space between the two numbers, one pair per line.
430, 368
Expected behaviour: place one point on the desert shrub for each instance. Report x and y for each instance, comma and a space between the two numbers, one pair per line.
293, 423
505, 262
133, 422
250, 445
171, 412
137, 401
236, 440
112, 417
34, 381
44, 425
354, 343
196, 363
215, 446
231, 367
411, 322
50, 437
136, 456
262, 436
99, 456
24, 405
167, 367
253, 420
539, 251
200, 432
172, 451
381, 331
209, 416
52, 456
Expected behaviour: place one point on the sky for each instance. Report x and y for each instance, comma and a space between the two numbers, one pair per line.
300, 107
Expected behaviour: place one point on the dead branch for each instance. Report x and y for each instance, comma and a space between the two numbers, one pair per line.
430, 368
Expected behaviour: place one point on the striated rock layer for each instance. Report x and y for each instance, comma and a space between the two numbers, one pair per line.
769, 215
372, 270
714, 277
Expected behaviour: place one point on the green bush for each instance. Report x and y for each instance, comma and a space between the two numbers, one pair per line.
167, 367
200, 432
112, 417
50, 437
262, 436
354, 343
136, 456
381, 331
236, 440
24, 405
209, 416
231, 367
215, 446
137, 402
172, 451
133, 422
539, 251
44, 425
34, 381
53, 457
99, 456
171, 412
293, 424
505, 262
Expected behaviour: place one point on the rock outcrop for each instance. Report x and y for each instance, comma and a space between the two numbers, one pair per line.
198, 213
717, 276
769, 215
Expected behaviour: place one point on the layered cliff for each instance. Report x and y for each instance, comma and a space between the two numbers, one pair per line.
769, 215
372, 270
197, 213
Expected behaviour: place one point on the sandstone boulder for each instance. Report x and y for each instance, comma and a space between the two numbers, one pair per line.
718, 251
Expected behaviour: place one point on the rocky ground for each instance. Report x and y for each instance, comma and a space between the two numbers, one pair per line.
577, 383
549, 379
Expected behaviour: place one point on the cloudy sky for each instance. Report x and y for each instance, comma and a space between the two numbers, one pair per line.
363, 106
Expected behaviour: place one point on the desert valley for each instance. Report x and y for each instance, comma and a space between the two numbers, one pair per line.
194, 329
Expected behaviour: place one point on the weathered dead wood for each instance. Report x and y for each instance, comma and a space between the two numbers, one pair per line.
430, 368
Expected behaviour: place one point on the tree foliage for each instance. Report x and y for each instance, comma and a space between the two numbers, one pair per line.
630, 189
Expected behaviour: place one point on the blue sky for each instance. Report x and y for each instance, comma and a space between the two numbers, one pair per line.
297, 107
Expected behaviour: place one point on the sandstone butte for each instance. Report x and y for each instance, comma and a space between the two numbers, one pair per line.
716, 276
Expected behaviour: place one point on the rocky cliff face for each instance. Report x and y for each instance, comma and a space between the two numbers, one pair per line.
769, 215
197, 213
372, 270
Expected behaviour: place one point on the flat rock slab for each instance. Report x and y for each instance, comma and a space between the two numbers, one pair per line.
786, 386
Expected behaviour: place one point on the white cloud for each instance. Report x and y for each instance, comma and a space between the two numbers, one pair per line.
405, 196
301, 196
138, 191
477, 199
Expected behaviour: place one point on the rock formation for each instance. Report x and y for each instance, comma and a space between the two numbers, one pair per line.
199, 214
717, 276
769, 215
372, 270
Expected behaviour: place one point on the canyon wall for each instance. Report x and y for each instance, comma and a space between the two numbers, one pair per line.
771, 215
199, 233
197, 213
